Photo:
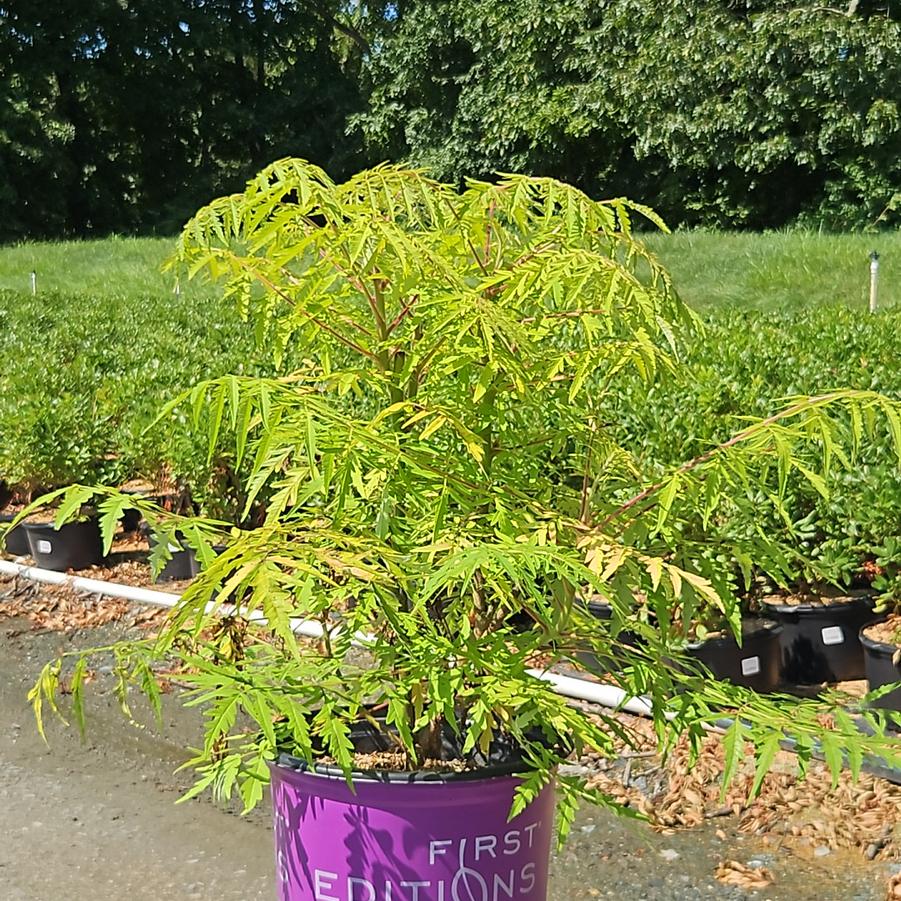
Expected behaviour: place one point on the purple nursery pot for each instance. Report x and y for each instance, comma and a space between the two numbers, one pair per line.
407, 837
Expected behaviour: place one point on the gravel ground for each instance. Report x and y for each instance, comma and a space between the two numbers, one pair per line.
98, 820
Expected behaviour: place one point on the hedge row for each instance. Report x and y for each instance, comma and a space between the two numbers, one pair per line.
83, 379
748, 363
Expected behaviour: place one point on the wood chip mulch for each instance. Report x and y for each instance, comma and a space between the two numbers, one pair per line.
863, 816
893, 891
731, 872
59, 608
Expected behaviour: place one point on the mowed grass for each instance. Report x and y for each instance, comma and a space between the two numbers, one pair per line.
771, 271
111, 266
780, 270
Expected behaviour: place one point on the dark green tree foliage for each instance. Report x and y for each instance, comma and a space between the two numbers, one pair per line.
126, 115
122, 115
743, 112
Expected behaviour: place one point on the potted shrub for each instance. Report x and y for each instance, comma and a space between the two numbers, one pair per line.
61, 542
820, 633
12, 540
754, 661
882, 657
881, 638
437, 474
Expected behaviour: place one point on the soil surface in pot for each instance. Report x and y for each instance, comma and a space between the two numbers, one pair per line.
139, 486
888, 631
48, 516
827, 597
378, 756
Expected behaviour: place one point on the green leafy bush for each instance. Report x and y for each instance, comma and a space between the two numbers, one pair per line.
441, 469
83, 380
745, 364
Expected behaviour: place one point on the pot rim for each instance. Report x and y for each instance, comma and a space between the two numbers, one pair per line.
881, 648
401, 777
852, 602
30, 524
765, 627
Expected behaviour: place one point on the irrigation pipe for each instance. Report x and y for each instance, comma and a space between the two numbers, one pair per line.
568, 686
578, 689
309, 628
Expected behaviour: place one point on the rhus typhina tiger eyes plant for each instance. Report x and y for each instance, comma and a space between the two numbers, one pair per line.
442, 487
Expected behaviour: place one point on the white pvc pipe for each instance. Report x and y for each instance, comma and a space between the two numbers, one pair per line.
874, 280
569, 686
594, 692
93, 586
310, 628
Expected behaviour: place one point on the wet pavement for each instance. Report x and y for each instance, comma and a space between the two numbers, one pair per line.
98, 821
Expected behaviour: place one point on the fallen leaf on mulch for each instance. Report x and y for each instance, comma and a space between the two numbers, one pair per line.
893, 892
59, 608
731, 872
863, 815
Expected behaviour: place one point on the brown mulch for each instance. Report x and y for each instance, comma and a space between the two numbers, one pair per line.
731, 872
60, 608
827, 597
63, 609
44, 516
396, 761
893, 890
888, 631
865, 815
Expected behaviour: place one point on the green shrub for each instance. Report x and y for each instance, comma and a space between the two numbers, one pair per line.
441, 467
84, 377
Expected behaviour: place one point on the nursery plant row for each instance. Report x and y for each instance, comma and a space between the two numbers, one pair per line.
85, 378
796, 641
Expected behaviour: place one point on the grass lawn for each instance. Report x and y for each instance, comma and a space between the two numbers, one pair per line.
780, 270
129, 266
775, 270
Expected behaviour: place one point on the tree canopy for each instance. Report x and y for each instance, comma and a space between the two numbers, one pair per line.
117, 115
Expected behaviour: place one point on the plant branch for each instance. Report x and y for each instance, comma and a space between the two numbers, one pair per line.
399, 318
275, 289
738, 438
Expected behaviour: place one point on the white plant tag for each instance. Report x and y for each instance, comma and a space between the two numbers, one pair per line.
44, 547
750, 666
833, 635
173, 548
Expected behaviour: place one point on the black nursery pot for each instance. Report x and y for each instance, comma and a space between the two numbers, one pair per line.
76, 545
16, 541
881, 670
183, 565
131, 520
756, 664
604, 613
820, 643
